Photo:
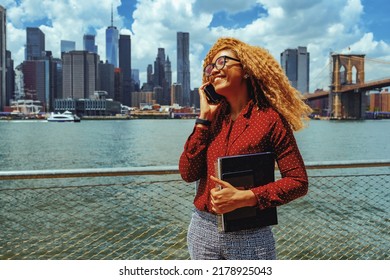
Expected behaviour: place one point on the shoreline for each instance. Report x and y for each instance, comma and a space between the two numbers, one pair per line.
108, 118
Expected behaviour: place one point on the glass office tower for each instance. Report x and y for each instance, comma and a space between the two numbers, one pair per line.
183, 65
89, 43
35, 43
125, 55
295, 63
67, 46
112, 42
3, 46
80, 74
125, 66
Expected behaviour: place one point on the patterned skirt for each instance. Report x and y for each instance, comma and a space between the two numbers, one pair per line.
206, 242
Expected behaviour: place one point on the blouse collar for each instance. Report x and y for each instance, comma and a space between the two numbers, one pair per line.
245, 112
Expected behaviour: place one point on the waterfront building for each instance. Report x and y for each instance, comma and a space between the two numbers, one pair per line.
143, 97
183, 65
67, 46
26, 107
96, 105
106, 78
168, 71
3, 48
62, 105
89, 43
159, 95
125, 66
118, 85
380, 102
112, 38
135, 78
80, 74
159, 78
296, 64
41, 79
159, 67
168, 81
9, 78
195, 98
176, 94
149, 74
57, 69
318, 102
35, 43
19, 82
34, 79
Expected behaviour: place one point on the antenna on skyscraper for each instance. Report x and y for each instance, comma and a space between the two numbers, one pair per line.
112, 16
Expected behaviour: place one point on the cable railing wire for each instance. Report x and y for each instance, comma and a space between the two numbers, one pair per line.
345, 215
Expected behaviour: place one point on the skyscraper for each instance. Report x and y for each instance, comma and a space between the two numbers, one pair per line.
3, 47
89, 43
135, 78
67, 46
40, 79
159, 78
125, 55
112, 37
176, 94
9, 78
183, 64
159, 67
296, 64
35, 43
107, 79
125, 66
149, 74
168, 72
80, 74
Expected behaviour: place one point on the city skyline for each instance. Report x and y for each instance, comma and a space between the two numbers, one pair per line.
339, 26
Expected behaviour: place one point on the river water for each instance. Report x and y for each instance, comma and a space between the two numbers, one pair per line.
36, 145
53, 220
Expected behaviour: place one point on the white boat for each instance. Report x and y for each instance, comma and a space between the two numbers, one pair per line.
63, 117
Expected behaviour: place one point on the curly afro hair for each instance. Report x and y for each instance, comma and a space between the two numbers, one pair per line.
267, 82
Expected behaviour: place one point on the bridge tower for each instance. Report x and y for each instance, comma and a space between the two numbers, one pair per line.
348, 69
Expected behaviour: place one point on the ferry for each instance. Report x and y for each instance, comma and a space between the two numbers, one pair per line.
63, 117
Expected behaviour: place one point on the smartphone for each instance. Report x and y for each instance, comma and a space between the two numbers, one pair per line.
212, 96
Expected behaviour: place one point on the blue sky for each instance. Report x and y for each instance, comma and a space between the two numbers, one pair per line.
323, 26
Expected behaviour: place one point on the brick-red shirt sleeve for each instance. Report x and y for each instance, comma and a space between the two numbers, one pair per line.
294, 181
192, 163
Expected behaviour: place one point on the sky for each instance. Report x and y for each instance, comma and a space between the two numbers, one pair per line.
323, 26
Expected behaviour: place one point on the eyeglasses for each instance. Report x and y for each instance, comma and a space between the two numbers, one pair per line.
219, 64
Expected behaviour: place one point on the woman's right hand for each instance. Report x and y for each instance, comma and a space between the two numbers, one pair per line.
207, 110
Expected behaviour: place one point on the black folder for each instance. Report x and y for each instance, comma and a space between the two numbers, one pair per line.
247, 171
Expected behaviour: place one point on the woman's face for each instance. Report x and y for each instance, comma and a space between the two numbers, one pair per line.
227, 74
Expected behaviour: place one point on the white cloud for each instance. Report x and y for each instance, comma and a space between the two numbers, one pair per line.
156, 24
207, 6
377, 63
321, 25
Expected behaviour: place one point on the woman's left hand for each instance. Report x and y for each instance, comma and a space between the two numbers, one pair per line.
226, 198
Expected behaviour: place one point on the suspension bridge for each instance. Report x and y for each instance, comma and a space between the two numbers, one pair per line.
347, 95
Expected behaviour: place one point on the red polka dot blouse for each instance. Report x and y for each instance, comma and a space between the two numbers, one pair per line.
254, 130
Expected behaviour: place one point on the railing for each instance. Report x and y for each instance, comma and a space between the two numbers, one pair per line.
143, 213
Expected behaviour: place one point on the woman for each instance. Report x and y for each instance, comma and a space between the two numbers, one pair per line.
258, 113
